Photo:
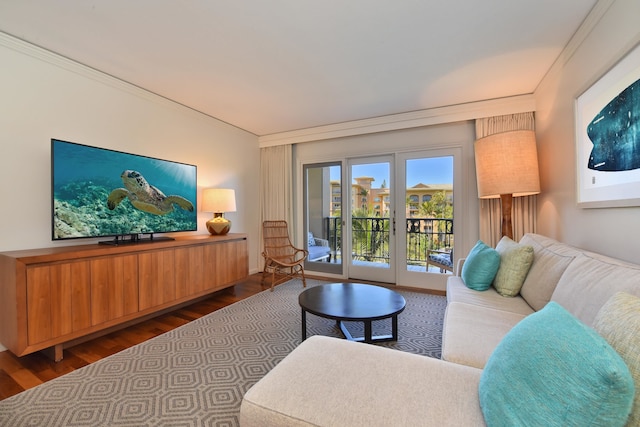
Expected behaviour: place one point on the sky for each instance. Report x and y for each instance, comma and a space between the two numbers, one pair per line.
437, 170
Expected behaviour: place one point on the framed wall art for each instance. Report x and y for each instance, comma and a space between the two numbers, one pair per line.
608, 137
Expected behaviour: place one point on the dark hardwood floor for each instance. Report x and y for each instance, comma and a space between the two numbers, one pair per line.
21, 373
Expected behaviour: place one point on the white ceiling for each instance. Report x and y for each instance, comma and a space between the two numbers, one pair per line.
282, 65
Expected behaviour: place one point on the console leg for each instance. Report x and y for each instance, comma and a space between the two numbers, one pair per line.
54, 353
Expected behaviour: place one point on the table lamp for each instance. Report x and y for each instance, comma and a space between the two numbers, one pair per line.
218, 201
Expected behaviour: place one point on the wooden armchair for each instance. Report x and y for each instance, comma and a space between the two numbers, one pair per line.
441, 259
281, 258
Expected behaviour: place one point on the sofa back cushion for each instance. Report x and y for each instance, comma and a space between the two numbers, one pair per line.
545, 272
618, 321
589, 282
552, 370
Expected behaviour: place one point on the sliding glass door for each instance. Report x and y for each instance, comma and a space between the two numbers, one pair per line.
322, 183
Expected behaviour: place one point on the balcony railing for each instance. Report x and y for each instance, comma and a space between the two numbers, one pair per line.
370, 238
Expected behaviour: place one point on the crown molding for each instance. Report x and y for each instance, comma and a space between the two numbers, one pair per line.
57, 60
593, 18
60, 61
428, 117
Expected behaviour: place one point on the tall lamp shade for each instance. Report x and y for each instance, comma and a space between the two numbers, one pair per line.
218, 201
507, 167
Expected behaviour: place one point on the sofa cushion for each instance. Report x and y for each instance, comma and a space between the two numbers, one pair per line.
471, 332
590, 280
515, 261
618, 321
480, 267
334, 382
458, 292
553, 370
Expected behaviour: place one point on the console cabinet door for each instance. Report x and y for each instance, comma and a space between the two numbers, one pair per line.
114, 288
58, 300
240, 268
233, 263
226, 263
189, 272
156, 278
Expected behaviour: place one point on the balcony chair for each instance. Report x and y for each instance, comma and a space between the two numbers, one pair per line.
443, 259
280, 256
318, 248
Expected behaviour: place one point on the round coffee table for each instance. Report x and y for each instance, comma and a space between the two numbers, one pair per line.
353, 302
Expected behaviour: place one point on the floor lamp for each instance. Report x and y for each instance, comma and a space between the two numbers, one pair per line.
507, 167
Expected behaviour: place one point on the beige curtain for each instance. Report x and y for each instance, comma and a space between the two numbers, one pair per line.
276, 186
525, 209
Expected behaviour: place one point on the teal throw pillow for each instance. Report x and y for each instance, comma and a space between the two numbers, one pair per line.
552, 370
480, 267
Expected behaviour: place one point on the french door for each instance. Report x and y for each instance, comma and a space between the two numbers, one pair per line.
425, 190
371, 219
382, 216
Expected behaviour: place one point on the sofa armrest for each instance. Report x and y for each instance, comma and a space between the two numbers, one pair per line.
459, 266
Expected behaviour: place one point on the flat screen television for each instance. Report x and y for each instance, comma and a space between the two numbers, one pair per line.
96, 192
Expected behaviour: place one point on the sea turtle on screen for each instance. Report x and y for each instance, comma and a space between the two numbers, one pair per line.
144, 196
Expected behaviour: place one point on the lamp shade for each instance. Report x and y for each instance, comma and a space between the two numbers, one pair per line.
507, 163
218, 200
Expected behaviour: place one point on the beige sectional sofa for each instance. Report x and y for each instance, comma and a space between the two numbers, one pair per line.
580, 281
332, 382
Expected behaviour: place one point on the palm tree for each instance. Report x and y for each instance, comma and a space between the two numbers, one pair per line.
438, 209
363, 201
370, 234
439, 206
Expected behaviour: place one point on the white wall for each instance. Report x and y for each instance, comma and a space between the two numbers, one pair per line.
611, 231
44, 96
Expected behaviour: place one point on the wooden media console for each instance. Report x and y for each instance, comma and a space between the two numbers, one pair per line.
52, 296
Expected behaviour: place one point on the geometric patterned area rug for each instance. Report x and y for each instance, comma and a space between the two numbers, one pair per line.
197, 374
